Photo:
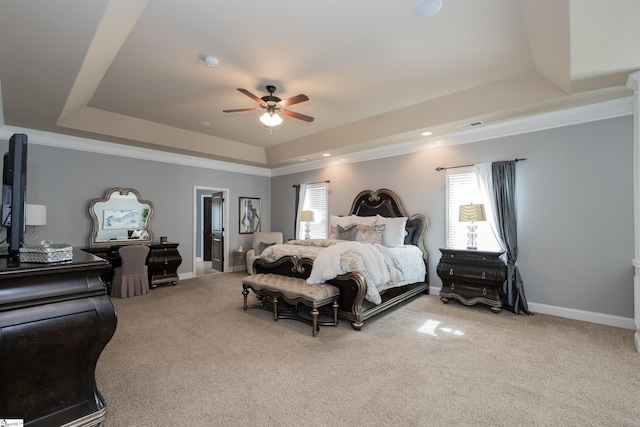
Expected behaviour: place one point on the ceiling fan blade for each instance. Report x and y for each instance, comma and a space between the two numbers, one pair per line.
297, 116
250, 95
294, 100
240, 109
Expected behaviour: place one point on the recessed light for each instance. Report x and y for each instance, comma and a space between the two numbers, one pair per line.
205, 124
303, 159
427, 133
326, 155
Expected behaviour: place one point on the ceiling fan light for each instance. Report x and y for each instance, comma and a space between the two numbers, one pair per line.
271, 119
427, 7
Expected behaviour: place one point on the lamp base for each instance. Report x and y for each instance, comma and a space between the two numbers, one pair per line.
471, 234
307, 231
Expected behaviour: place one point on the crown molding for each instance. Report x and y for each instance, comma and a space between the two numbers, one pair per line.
633, 81
94, 146
588, 113
618, 107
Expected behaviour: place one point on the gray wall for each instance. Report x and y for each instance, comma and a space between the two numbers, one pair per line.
575, 212
66, 180
574, 206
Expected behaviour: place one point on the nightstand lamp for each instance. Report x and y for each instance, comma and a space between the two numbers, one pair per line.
35, 215
307, 217
471, 213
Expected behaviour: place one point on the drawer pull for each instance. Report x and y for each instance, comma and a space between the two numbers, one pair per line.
451, 271
484, 275
484, 291
453, 286
166, 261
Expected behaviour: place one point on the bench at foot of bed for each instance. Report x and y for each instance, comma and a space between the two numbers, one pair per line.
293, 290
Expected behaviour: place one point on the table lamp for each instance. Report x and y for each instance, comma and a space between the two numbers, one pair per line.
471, 213
307, 217
35, 215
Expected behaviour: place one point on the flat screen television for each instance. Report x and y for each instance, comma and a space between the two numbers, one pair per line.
14, 186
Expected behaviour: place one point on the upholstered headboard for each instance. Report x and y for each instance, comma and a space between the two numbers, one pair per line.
386, 203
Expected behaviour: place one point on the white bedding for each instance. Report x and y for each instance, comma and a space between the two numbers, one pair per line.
381, 266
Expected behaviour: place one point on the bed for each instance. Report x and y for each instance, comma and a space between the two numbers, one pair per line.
357, 300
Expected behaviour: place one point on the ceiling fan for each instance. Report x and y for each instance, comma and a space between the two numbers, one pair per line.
272, 105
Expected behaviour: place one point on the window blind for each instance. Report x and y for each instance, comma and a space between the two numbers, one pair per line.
462, 189
316, 200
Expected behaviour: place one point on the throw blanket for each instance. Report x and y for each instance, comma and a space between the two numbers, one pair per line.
376, 263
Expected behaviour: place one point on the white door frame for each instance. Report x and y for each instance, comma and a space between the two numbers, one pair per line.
225, 222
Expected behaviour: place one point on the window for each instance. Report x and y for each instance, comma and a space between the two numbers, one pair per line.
462, 189
314, 198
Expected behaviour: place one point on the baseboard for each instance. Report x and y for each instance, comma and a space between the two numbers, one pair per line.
572, 313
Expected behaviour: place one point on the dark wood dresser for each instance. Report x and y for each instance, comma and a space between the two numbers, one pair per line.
472, 277
162, 262
55, 320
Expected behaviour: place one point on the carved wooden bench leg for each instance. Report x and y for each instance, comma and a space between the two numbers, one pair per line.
275, 308
245, 293
314, 321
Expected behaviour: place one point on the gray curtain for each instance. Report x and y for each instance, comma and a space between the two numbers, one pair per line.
504, 186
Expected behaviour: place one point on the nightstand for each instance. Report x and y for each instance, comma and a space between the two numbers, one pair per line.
239, 260
472, 277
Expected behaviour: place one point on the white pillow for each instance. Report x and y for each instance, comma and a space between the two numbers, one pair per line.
394, 230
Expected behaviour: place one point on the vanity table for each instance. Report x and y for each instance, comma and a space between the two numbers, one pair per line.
162, 262
55, 320
122, 218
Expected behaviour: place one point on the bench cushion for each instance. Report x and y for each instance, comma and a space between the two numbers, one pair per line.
291, 287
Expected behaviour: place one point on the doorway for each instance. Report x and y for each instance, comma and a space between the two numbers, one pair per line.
209, 228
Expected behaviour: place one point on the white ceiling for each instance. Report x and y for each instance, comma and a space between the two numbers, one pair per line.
131, 71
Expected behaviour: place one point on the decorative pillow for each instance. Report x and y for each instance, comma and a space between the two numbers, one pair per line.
346, 221
394, 231
346, 233
370, 233
264, 246
352, 219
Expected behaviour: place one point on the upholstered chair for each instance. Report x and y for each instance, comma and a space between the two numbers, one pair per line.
131, 279
261, 241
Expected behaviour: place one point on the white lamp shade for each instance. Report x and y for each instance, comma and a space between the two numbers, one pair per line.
471, 212
306, 216
36, 215
271, 119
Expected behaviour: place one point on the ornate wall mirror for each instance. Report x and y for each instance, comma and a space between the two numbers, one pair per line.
121, 217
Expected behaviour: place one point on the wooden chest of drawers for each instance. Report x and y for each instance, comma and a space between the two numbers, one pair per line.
162, 263
472, 277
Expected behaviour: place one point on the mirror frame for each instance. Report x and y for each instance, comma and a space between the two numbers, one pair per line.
97, 223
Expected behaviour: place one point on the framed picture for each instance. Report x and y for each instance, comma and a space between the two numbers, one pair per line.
121, 219
250, 215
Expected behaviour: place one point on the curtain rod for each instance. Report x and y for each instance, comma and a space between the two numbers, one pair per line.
309, 183
466, 166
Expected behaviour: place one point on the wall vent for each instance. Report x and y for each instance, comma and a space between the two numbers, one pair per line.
471, 125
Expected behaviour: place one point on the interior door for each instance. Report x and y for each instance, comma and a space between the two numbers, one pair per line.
217, 232
207, 238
